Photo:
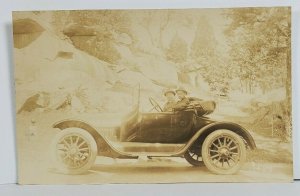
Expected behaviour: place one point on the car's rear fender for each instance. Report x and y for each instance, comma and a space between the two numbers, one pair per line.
104, 147
201, 134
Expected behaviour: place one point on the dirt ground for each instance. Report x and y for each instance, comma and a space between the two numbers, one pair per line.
271, 162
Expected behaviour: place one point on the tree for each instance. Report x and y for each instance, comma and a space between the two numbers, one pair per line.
204, 51
260, 47
177, 51
261, 50
203, 48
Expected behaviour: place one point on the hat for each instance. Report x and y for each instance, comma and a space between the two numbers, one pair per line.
181, 89
169, 91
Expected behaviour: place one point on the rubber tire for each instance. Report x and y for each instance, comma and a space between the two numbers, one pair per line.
192, 161
206, 158
93, 149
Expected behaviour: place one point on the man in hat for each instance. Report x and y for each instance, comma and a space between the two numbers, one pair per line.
170, 96
183, 101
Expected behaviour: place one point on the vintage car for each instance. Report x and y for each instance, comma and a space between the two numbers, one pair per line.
220, 146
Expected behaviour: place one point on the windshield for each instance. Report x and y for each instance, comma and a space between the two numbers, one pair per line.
136, 96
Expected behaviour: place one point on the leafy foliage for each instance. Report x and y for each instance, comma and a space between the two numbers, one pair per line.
177, 51
260, 47
204, 51
260, 51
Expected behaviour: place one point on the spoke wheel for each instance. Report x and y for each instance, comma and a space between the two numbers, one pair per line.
193, 157
74, 151
223, 152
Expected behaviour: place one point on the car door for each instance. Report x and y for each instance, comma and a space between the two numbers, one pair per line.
165, 127
181, 123
155, 127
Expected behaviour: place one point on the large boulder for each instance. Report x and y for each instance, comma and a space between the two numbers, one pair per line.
25, 32
79, 30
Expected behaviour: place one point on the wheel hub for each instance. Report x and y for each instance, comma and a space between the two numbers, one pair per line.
73, 150
224, 152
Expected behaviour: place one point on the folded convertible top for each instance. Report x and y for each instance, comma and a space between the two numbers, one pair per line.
201, 107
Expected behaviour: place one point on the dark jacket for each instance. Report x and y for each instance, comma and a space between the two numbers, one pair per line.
181, 104
168, 107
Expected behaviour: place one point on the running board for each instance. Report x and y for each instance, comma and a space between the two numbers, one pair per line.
147, 149
153, 154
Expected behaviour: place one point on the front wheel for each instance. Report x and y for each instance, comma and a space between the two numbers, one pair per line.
223, 152
73, 151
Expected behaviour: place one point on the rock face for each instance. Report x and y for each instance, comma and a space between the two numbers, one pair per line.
46, 63
75, 74
71, 78
25, 32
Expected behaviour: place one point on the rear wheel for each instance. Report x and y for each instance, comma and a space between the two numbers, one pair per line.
223, 152
193, 156
74, 151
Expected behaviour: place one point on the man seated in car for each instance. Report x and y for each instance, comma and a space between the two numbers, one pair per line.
170, 96
183, 101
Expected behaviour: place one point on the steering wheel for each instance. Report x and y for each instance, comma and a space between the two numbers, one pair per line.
155, 105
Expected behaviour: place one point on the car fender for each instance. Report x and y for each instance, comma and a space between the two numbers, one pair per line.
206, 130
104, 147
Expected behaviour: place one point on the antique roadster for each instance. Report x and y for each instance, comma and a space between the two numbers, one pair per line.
220, 146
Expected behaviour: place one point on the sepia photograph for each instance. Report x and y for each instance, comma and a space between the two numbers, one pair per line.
153, 95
